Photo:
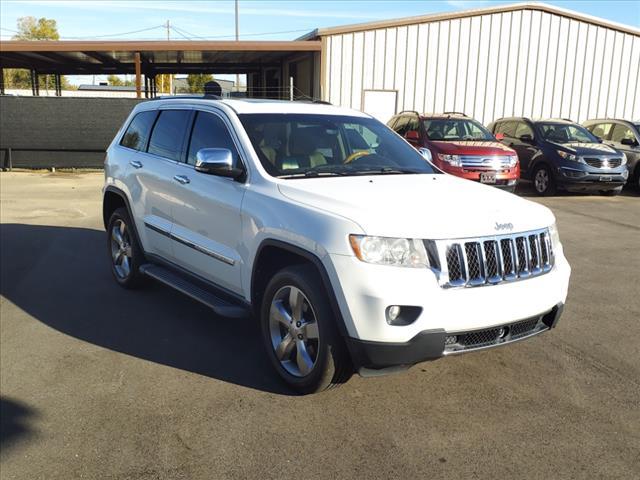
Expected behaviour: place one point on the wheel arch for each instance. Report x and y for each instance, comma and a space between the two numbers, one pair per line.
113, 199
273, 255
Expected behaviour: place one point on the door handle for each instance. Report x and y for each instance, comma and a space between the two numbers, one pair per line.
183, 179
135, 164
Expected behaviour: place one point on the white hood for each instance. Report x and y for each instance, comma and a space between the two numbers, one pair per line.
419, 206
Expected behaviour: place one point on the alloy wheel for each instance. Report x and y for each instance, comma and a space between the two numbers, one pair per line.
541, 180
293, 330
121, 249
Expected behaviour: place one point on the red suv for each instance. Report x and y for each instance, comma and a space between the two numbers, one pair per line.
461, 146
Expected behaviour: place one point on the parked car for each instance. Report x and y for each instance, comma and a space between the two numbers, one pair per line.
461, 146
623, 136
558, 153
349, 250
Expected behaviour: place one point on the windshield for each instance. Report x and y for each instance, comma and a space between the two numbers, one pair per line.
456, 129
566, 133
307, 145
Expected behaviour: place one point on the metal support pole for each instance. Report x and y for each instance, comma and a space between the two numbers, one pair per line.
291, 89
8, 161
138, 79
237, 38
58, 83
1, 81
33, 82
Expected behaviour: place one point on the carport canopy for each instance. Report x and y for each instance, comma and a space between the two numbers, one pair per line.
150, 57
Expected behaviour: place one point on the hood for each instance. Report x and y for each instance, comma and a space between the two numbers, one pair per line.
419, 206
473, 148
581, 149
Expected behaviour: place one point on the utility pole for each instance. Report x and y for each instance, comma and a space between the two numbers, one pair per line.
237, 39
170, 75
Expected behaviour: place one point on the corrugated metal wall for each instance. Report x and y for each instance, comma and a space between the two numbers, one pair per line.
521, 63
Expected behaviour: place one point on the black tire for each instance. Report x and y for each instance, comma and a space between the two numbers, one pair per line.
544, 188
332, 365
133, 278
611, 193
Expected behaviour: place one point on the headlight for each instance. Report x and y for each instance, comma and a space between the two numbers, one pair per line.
513, 160
570, 156
397, 252
453, 160
624, 159
555, 238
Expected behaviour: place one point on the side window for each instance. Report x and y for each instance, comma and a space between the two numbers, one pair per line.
209, 131
167, 138
508, 129
138, 130
601, 130
523, 129
392, 123
414, 124
620, 132
401, 126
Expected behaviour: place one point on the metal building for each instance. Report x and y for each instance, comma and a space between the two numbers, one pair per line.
526, 59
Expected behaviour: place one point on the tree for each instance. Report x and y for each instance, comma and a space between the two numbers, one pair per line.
163, 81
196, 81
117, 81
30, 28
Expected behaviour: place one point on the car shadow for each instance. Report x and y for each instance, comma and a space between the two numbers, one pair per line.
525, 189
61, 277
15, 423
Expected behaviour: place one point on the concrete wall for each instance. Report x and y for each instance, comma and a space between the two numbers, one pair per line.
519, 63
60, 123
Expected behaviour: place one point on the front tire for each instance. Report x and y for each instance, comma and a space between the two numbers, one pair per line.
300, 334
124, 250
544, 182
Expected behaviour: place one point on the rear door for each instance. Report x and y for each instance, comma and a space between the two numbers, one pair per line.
154, 193
207, 224
621, 132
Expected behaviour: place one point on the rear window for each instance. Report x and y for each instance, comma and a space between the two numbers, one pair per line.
454, 129
137, 133
167, 138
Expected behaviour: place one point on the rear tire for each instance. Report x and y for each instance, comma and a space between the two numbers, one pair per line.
299, 332
124, 250
544, 182
611, 193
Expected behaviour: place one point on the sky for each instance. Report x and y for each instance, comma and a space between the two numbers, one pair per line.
259, 20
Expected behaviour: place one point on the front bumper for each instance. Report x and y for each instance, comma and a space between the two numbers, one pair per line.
433, 344
580, 180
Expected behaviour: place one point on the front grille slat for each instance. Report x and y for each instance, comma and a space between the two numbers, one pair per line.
602, 162
493, 260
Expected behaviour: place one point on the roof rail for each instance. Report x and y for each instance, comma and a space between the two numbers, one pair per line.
454, 113
183, 97
408, 111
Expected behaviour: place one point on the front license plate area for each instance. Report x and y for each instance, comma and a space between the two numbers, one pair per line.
489, 177
605, 178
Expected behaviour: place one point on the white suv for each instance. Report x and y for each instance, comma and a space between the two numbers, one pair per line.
351, 250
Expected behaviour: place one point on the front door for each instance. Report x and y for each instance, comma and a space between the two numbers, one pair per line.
207, 226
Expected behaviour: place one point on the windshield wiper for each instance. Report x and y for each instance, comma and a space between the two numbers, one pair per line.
385, 170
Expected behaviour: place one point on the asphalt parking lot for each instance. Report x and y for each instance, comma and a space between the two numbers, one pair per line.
98, 382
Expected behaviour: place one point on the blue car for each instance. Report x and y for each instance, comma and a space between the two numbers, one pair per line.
559, 154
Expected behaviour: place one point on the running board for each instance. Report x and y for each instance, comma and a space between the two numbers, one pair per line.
222, 307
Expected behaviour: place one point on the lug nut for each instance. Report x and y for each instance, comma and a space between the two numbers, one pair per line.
300, 336
298, 324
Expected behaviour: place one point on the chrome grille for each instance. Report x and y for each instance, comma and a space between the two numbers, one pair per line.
492, 260
483, 162
603, 162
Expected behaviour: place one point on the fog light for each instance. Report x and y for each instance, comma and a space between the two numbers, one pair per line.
393, 312
625, 174
450, 340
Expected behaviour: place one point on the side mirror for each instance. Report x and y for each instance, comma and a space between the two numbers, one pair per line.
499, 136
629, 141
217, 161
527, 138
426, 154
412, 136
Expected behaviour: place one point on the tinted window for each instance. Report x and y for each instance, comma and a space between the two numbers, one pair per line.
307, 145
601, 130
455, 129
566, 133
137, 133
402, 126
167, 138
620, 132
414, 124
209, 131
523, 129
508, 129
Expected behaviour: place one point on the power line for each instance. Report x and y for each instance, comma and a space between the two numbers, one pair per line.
244, 34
